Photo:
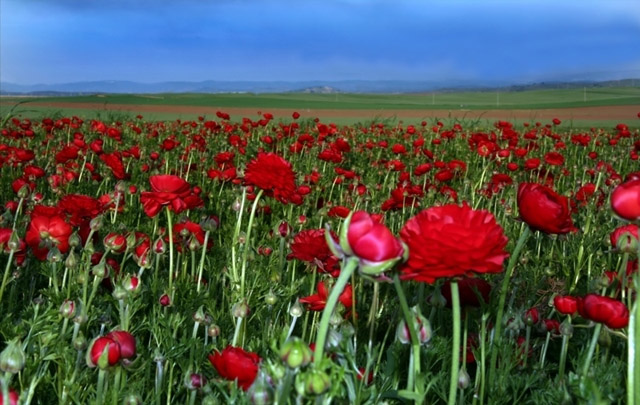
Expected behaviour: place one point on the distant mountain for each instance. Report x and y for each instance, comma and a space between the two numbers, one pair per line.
343, 86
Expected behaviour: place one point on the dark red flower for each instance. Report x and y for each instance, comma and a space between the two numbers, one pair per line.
608, 311
98, 347
450, 241
554, 159
625, 200
126, 341
80, 208
233, 363
625, 238
273, 174
310, 246
544, 210
114, 162
168, 190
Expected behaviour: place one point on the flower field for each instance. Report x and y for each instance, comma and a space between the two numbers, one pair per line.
260, 261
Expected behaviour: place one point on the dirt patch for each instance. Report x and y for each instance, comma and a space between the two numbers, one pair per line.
617, 113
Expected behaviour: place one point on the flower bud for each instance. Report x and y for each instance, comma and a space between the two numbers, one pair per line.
240, 310
165, 300
284, 229
566, 329
96, 223
24, 191
271, 298
296, 309
463, 378
119, 293
131, 284
260, 393
103, 352
210, 223
71, 261
115, 242
132, 399
604, 339
131, 240
159, 247
14, 241
54, 255
100, 270
436, 299
213, 331
80, 342
194, 244
68, 309
195, 381
236, 205
12, 358
199, 315
295, 353
316, 382
531, 317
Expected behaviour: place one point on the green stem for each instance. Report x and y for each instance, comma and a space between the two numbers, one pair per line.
202, 256
5, 277
100, 393
563, 352
247, 242
633, 357
409, 319
170, 229
592, 349
336, 290
503, 297
455, 349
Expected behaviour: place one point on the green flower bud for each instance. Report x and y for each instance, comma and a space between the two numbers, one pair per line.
295, 353
296, 310
240, 309
74, 240
14, 241
100, 270
80, 342
119, 293
270, 298
463, 378
54, 255
213, 331
12, 358
316, 382
199, 316
71, 261
132, 399
68, 309
96, 223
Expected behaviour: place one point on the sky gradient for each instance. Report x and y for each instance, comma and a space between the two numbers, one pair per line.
57, 41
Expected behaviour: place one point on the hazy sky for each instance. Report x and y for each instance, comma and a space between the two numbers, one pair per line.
54, 41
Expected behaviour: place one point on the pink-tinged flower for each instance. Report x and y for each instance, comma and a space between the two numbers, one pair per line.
235, 364
544, 210
608, 311
168, 190
45, 232
625, 200
273, 174
13, 397
452, 241
371, 241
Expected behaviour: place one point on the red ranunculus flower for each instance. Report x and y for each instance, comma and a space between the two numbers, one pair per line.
45, 232
310, 246
114, 162
317, 302
126, 341
80, 208
233, 363
625, 200
371, 241
168, 190
625, 238
273, 174
98, 346
566, 304
544, 210
450, 241
608, 311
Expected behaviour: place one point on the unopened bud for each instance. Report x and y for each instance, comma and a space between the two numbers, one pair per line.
213, 331
566, 329
295, 353
71, 261
132, 399
271, 298
165, 300
194, 381
12, 358
240, 309
236, 205
316, 382
80, 342
96, 223
159, 246
54, 255
100, 270
194, 244
119, 293
604, 339
210, 223
14, 241
68, 309
199, 315
24, 191
463, 378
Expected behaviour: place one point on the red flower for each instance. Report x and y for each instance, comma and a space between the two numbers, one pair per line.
114, 162
566, 304
554, 158
609, 311
45, 232
371, 241
233, 363
125, 341
317, 302
310, 246
274, 175
13, 397
80, 208
625, 200
98, 347
450, 241
544, 210
625, 238
168, 190
473, 292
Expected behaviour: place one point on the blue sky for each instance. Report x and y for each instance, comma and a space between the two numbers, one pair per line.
55, 41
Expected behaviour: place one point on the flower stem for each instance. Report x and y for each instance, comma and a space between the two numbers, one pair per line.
201, 266
455, 346
247, 242
563, 352
592, 349
409, 319
5, 277
633, 344
169, 228
336, 290
503, 297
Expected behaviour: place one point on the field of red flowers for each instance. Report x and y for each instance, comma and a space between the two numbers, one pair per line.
295, 261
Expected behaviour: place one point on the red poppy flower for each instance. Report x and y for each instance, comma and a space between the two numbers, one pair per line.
45, 232
450, 241
233, 363
544, 210
114, 162
608, 311
317, 302
554, 159
80, 208
566, 304
168, 190
273, 174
